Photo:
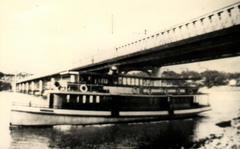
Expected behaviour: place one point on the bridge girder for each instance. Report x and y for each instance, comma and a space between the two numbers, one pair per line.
214, 45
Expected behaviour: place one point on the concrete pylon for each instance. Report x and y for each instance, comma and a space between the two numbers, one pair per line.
156, 72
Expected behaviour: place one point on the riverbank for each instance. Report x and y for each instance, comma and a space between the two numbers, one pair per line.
228, 138
225, 115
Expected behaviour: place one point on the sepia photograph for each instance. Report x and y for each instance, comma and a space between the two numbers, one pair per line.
119, 74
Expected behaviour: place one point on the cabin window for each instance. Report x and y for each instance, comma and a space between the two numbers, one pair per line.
132, 81
120, 81
171, 91
89, 78
68, 98
115, 81
156, 83
84, 99
91, 99
104, 81
140, 81
97, 99
97, 81
77, 99
124, 81
182, 90
72, 78
107, 81
136, 81
194, 99
144, 82
128, 81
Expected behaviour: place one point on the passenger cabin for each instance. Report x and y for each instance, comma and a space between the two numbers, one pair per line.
95, 82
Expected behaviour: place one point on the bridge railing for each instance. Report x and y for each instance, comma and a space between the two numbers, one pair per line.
220, 19
217, 20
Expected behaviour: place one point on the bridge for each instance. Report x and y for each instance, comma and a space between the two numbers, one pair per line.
210, 36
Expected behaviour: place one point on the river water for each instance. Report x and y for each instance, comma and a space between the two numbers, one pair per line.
200, 132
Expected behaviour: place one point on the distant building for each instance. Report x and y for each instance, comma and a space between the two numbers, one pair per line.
234, 82
8, 81
8, 78
22, 75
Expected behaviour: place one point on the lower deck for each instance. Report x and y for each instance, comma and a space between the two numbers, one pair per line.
123, 102
95, 108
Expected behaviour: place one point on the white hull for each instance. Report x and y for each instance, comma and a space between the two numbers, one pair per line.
30, 116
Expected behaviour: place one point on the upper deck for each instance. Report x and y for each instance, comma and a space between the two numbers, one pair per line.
106, 83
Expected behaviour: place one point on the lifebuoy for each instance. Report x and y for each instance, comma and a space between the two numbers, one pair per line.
83, 88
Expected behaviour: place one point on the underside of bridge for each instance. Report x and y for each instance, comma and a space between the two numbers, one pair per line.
214, 45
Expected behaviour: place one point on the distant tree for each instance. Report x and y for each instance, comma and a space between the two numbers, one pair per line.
234, 76
174, 75
1, 75
208, 78
170, 74
214, 78
5, 86
138, 73
190, 74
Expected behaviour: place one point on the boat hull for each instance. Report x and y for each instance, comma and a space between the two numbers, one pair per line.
30, 116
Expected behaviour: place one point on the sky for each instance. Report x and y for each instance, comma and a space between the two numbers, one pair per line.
40, 36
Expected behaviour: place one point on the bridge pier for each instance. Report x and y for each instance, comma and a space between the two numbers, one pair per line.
156, 72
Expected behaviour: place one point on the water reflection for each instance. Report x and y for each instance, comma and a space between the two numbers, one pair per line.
174, 134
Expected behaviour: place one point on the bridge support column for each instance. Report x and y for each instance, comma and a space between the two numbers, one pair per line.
156, 72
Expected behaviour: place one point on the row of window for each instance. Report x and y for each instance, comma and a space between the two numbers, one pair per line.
126, 81
84, 99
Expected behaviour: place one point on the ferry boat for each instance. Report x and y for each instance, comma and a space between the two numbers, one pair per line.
72, 98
